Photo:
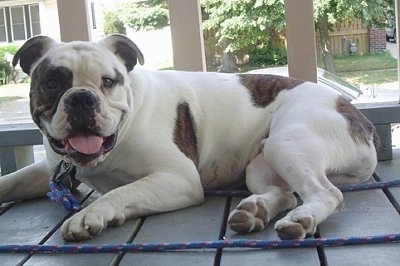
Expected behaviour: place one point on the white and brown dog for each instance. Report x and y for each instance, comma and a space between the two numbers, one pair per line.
152, 141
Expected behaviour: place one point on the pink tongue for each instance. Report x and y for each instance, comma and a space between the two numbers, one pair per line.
86, 144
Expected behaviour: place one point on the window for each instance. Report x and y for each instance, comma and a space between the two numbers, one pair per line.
34, 19
3, 31
19, 23
18, 30
93, 11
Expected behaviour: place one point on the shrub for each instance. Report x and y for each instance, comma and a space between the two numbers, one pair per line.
267, 56
11, 48
4, 65
145, 15
112, 24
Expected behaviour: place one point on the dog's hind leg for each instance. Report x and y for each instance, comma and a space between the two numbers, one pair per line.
271, 196
299, 157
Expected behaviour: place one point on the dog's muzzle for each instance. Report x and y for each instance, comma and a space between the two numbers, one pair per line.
83, 143
83, 148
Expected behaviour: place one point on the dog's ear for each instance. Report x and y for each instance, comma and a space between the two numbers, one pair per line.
125, 49
31, 51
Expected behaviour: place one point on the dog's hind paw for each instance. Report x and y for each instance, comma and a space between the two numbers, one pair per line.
295, 226
251, 215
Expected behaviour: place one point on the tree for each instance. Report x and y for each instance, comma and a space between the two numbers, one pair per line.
145, 15
241, 24
329, 12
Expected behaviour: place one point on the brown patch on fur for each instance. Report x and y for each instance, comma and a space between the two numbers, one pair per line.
184, 134
361, 129
264, 88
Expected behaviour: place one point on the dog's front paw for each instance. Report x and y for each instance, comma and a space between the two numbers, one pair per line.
90, 222
251, 215
297, 224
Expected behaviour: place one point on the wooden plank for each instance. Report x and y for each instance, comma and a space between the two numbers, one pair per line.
73, 16
30, 222
300, 36
187, 35
20, 135
199, 223
7, 160
385, 133
349, 32
363, 213
303, 256
380, 113
390, 170
121, 234
13, 158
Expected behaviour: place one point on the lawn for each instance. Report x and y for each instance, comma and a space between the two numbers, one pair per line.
6, 99
373, 68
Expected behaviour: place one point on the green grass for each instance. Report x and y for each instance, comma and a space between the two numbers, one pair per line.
6, 99
373, 68
370, 77
371, 61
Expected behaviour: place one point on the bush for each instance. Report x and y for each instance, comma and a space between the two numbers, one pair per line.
151, 15
4, 65
267, 56
112, 24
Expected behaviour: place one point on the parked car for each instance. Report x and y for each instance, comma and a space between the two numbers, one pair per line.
325, 78
391, 29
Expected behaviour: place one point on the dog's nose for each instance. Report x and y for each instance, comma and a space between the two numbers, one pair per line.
81, 107
82, 99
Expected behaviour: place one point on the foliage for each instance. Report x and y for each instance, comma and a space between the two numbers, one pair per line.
113, 24
370, 12
267, 55
4, 65
329, 12
145, 15
12, 49
243, 23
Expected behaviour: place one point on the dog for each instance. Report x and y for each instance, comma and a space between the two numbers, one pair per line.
153, 141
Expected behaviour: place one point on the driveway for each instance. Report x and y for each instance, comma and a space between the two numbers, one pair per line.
15, 111
393, 49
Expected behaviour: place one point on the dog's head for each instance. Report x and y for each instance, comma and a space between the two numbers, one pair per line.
80, 93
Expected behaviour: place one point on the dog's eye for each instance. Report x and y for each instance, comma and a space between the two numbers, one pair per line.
107, 82
51, 84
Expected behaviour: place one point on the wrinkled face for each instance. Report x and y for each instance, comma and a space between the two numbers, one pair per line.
79, 97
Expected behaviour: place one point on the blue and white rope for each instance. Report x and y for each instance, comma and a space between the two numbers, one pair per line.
62, 195
201, 245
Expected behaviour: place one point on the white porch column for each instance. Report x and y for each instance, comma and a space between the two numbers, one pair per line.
74, 20
187, 35
300, 35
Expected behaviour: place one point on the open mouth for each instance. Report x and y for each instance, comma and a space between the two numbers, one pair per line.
83, 148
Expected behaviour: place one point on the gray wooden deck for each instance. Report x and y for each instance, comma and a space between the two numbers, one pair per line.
371, 212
